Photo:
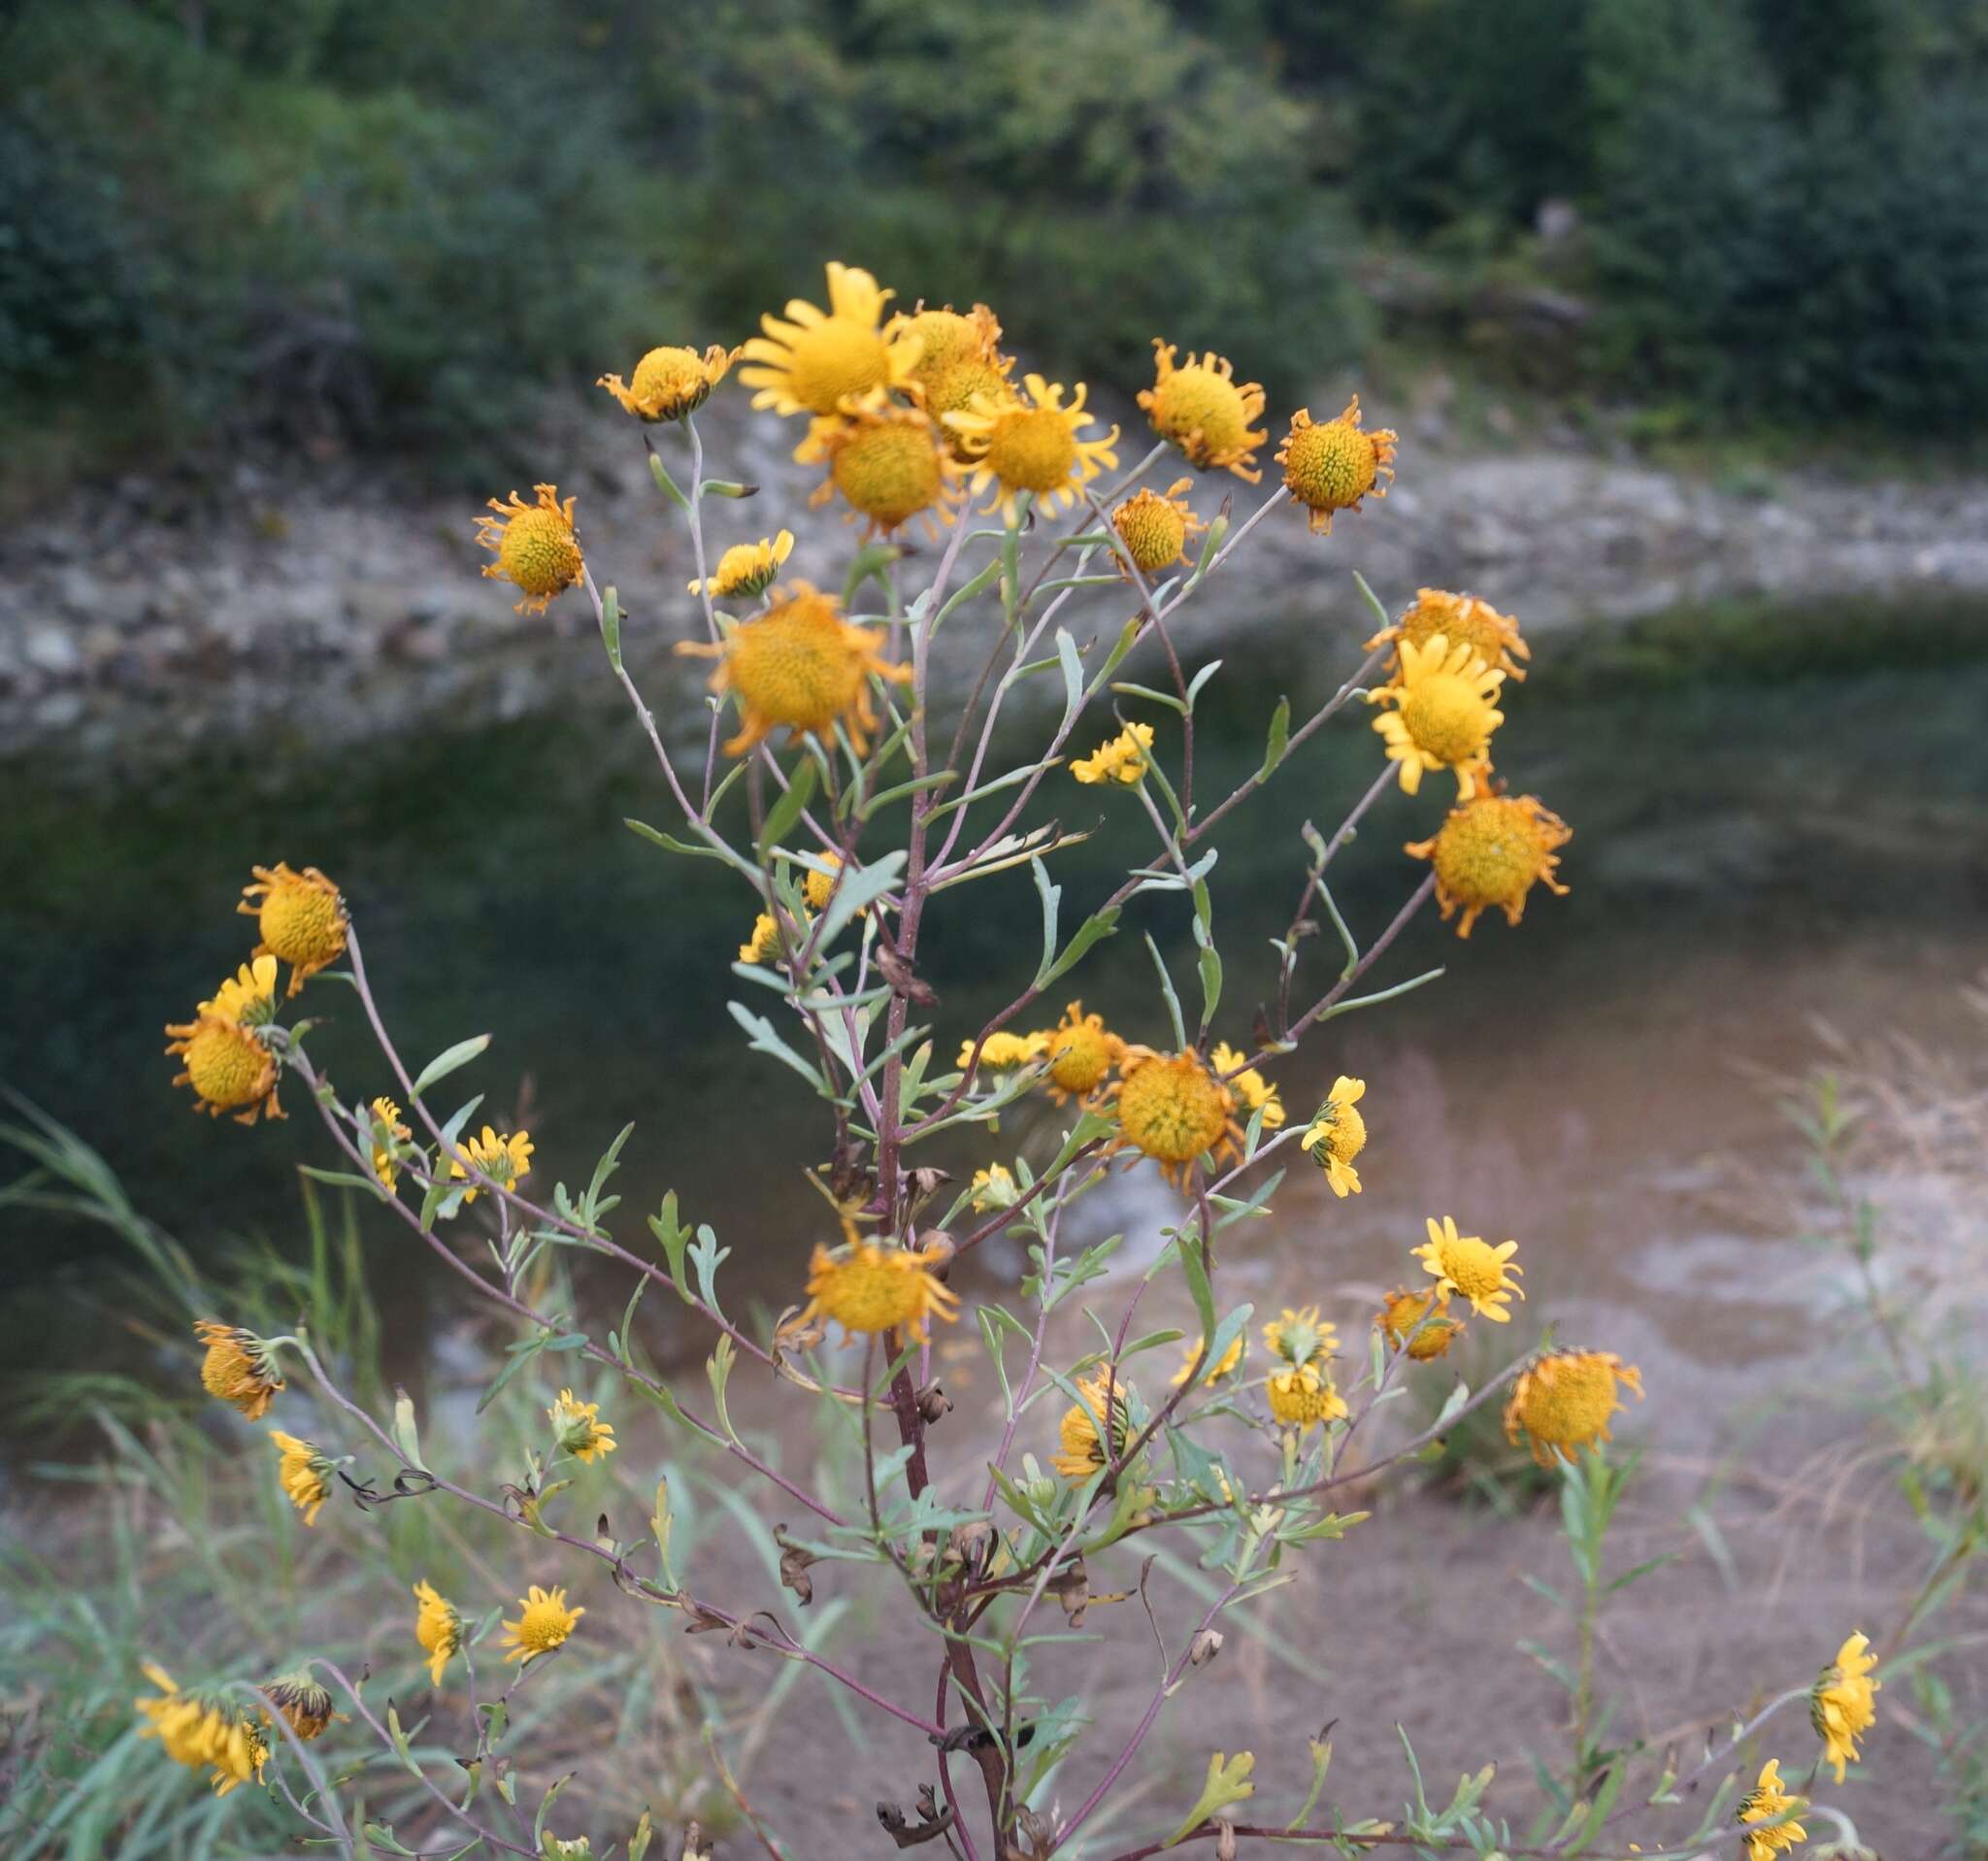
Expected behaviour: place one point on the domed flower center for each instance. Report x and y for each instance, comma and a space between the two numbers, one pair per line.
1490, 853
1473, 1265
538, 552
1444, 715
1032, 449
889, 471
1342, 1133
1329, 466
229, 1066
795, 665
1153, 530
1572, 1405
950, 389
874, 1292
1198, 400
944, 337
1172, 1109
671, 380
835, 358
302, 923
1079, 1059
544, 1625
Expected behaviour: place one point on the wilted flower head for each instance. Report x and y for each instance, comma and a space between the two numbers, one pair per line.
1564, 1401
671, 384
238, 1368
1198, 407
1490, 853
1332, 466
536, 549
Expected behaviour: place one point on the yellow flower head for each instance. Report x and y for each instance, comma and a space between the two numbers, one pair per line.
238, 1368
543, 1622
1332, 466
1154, 527
1213, 1373
301, 916
800, 666
1419, 1320
227, 1067
304, 1473
1200, 410
888, 461
812, 361
948, 337
1082, 1051
670, 383
388, 1132
536, 552
1080, 1449
577, 1427
994, 1188
247, 998
1029, 442
1490, 853
506, 1160
1337, 1135
1445, 708
868, 1288
1466, 1264
302, 1703
202, 1734
1843, 1705
1301, 1336
819, 887
1462, 620
1564, 1401
438, 1627
1001, 1051
1123, 759
1249, 1085
748, 569
763, 946
1765, 1801
1304, 1398
1172, 1108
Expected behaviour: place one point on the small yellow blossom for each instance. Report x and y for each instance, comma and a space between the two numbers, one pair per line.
1337, 1135
669, 383
1200, 410
947, 337
1563, 1400
1249, 1085
1764, 1802
536, 549
577, 1427
247, 998
438, 1627
304, 1474
1213, 1373
1304, 1398
1419, 1320
1462, 620
994, 1188
1001, 1051
203, 1734
764, 944
1123, 759
812, 361
238, 1368
228, 1068
1082, 1051
1029, 443
748, 569
1174, 1110
1080, 1449
1445, 708
868, 1288
542, 1624
388, 1132
301, 1703
801, 666
888, 461
301, 916
1331, 466
1490, 853
1466, 1264
505, 1160
819, 887
1154, 527
1841, 1705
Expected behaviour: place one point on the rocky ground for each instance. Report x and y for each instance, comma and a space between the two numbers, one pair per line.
313, 606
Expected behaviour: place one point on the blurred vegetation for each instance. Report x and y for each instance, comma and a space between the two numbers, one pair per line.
392, 223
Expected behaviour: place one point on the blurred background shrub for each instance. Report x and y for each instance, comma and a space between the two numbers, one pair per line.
390, 222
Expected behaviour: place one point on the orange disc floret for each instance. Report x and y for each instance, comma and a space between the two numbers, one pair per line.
301, 916
800, 666
1490, 853
238, 1368
536, 552
1082, 1050
885, 459
1331, 465
1304, 1398
1154, 527
1199, 407
1171, 1109
1563, 1400
947, 337
228, 1066
868, 1288
1419, 1320
1462, 620
670, 383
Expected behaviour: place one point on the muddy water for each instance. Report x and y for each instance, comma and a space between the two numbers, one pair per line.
1751, 850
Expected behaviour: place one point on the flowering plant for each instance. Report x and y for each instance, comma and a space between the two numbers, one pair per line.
870, 792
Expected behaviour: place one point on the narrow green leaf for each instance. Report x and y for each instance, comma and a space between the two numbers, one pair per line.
447, 1061
786, 810
1280, 738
